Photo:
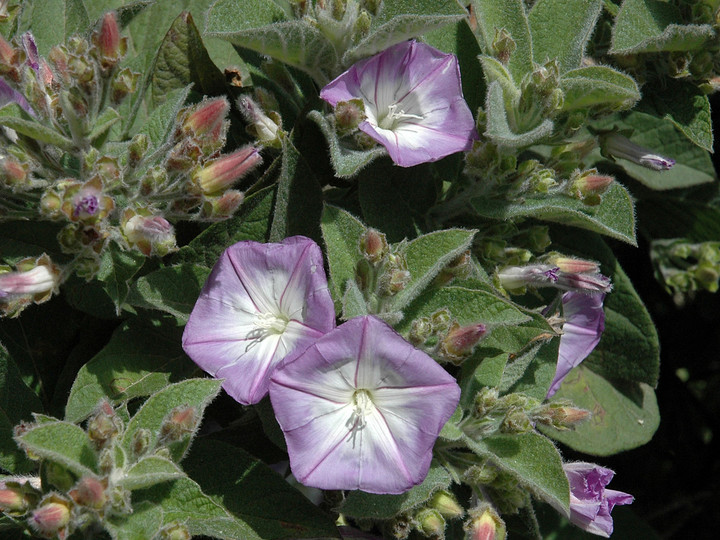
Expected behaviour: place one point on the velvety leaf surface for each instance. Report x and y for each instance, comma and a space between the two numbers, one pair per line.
52, 21
341, 232
63, 443
598, 86
15, 117
149, 471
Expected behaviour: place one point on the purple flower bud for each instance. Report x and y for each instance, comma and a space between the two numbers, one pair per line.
545, 275
361, 408
413, 100
590, 503
581, 332
51, 517
618, 146
31, 52
39, 280
223, 172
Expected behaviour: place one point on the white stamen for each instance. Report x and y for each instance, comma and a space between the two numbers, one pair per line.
394, 117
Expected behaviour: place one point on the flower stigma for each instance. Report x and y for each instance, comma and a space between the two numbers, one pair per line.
362, 404
267, 324
394, 117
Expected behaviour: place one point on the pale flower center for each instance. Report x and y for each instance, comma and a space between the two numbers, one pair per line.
394, 117
267, 324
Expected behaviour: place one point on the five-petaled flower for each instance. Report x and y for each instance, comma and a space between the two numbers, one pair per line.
413, 101
260, 303
581, 332
590, 502
361, 409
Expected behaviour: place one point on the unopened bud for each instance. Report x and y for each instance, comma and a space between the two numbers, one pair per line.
503, 45
7, 54
104, 426
152, 235
374, 246
420, 331
572, 264
51, 517
141, 442
223, 172
445, 502
206, 116
175, 531
615, 145
266, 129
459, 267
180, 422
516, 421
13, 174
110, 46
124, 83
348, 114
430, 523
13, 501
90, 492
560, 415
223, 206
395, 276
485, 400
481, 475
460, 341
485, 524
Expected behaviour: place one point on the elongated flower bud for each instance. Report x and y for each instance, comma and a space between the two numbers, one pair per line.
485, 524
110, 46
206, 116
618, 146
223, 172
51, 517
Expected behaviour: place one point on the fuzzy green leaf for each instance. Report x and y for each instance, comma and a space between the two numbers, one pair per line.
117, 268
63, 443
495, 15
654, 25
149, 471
53, 21
174, 289
346, 162
353, 304
196, 393
161, 123
614, 217
683, 104
15, 117
107, 119
341, 233
625, 415
426, 256
498, 125
181, 60
561, 29
598, 86
262, 26
281, 512
398, 20
364, 505
145, 522
141, 358
693, 164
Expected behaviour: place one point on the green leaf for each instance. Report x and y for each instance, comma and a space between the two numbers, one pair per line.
196, 393
598, 86
17, 403
281, 512
262, 26
145, 522
149, 471
535, 378
107, 119
117, 268
398, 20
625, 415
298, 203
495, 15
532, 459
182, 60
498, 125
346, 162
683, 104
142, 357
53, 21
15, 117
426, 256
654, 25
365, 505
173, 289
478, 372
161, 123
466, 305
251, 222
353, 304
561, 29
614, 217
63, 443
341, 232
183, 501
693, 164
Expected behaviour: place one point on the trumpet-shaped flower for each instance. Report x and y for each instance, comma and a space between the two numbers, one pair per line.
260, 303
361, 409
590, 502
581, 332
413, 101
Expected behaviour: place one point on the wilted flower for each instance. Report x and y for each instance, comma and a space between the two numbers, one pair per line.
546, 275
618, 146
413, 100
361, 409
581, 332
9, 95
150, 234
260, 303
590, 503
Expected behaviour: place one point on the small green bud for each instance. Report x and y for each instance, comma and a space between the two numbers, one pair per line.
445, 502
430, 523
374, 246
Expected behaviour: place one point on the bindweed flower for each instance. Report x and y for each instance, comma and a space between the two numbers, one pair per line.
361, 409
581, 332
546, 275
413, 101
260, 303
618, 146
590, 503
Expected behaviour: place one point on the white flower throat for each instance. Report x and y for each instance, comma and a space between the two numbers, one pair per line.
362, 406
394, 117
267, 324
